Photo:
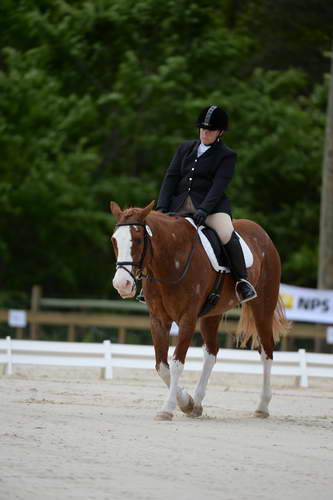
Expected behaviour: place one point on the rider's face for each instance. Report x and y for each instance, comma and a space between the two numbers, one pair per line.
208, 137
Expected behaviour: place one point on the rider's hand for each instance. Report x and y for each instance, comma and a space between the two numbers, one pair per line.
199, 217
161, 209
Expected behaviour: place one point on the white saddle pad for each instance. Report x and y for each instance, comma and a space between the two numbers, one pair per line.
248, 257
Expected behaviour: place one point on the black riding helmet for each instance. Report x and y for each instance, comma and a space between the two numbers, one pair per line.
213, 118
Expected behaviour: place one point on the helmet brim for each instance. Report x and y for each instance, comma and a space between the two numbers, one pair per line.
207, 127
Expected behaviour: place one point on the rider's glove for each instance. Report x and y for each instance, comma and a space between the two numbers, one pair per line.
199, 217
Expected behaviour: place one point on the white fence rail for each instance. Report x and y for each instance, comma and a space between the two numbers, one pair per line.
36, 352
107, 356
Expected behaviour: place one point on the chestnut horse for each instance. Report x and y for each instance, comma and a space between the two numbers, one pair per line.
177, 278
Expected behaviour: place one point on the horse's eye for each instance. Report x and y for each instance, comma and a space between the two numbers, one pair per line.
138, 241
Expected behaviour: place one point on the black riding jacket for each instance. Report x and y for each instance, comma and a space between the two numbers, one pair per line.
204, 179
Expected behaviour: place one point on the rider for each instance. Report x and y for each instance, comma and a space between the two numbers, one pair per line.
195, 182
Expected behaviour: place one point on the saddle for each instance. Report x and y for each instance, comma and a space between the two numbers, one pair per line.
215, 250
213, 245
216, 246
217, 257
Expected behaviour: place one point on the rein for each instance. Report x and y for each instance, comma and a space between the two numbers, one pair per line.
120, 265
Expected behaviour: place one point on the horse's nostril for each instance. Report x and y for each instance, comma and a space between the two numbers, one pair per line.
128, 283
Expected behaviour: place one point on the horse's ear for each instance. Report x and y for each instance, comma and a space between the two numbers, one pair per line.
115, 209
147, 209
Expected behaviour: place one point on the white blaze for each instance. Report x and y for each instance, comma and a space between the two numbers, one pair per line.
122, 280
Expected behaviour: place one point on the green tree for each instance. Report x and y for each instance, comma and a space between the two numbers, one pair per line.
95, 96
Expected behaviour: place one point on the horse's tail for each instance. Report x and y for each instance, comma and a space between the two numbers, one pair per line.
247, 330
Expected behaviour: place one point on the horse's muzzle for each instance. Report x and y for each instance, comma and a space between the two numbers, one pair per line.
125, 294
124, 285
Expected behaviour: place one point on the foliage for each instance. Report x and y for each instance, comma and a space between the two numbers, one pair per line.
279, 137
96, 95
287, 34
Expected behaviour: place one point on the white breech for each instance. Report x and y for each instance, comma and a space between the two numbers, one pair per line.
222, 224
219, 221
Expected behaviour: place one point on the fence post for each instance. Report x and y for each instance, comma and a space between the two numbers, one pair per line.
122, 335
108, 359
71, 333
35, 305
303, 380
284, 342
9, 367
19, 332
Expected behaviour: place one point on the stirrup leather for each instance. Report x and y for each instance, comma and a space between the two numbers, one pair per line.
253, 293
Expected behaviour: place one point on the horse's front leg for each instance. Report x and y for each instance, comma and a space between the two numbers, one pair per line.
184, 400
176, 369
200, 390
209, 328
160, 334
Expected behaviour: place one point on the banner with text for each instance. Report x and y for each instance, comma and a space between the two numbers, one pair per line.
307, 304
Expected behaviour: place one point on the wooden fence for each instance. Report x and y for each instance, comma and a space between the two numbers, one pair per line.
72, 320
127, 315
124, 323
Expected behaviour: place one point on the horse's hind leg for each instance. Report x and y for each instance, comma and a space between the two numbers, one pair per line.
263, 312
208, 327
266, 393
263, 320
160, 335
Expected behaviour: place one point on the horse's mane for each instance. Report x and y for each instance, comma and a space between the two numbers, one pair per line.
131, 212
135, 213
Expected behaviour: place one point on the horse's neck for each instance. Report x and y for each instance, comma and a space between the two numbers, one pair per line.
170, 238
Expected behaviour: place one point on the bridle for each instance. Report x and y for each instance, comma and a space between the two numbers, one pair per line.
140, 264
122, 264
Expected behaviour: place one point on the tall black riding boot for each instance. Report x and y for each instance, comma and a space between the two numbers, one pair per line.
243, 288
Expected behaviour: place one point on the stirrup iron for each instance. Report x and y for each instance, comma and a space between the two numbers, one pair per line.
252, 294
140, 297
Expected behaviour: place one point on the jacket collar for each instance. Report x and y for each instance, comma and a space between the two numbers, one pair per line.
194, 151
215, 147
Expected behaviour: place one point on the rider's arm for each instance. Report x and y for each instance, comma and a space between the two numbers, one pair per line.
221, 180
170, 181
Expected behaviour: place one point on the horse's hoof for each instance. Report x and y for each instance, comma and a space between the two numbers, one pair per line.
189, 408
261, 414
164, 415
196, 412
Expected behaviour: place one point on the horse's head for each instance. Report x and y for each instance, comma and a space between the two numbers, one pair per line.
129, 241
